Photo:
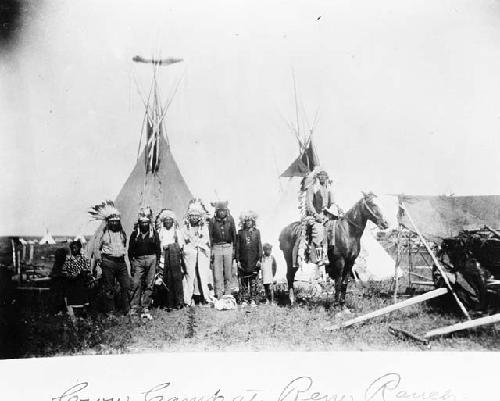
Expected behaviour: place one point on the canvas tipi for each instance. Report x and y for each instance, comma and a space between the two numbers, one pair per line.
286, 210
47, 238
156, 180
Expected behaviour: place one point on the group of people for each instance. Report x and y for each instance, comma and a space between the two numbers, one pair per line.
198, 260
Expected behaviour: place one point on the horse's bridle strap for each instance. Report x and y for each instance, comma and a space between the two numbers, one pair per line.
369, 210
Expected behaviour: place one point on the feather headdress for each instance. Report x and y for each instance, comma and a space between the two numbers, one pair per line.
145, 213
196, 208
165, 214
248, 215
105, 211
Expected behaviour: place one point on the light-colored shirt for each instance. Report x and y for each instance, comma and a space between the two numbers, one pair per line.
268, 269
196, 238
113, 243
167, 237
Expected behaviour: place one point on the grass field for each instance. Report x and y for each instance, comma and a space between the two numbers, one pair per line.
264, 328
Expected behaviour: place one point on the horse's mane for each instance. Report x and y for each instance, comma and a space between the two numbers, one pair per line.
351, 213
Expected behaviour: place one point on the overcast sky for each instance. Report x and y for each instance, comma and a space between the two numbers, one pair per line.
407, 96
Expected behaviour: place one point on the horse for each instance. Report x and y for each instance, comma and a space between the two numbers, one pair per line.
348, 231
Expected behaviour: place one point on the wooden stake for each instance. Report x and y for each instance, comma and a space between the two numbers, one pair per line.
408, 302
436, 262
406, 334
463, 326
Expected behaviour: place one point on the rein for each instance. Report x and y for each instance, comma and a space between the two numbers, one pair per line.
352, 222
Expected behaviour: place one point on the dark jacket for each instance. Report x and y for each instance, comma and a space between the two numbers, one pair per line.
249, 249
139, 246
222, 230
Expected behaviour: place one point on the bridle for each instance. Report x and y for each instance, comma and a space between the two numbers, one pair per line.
370, 210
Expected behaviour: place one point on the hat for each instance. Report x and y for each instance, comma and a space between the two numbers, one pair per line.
105, 211
145, 214
76, 242
220, 205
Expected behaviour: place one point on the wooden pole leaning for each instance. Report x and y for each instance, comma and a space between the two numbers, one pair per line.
397, 263
407, 302
463, 326
436, 262
495, 232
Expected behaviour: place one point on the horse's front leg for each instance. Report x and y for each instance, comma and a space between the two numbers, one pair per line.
344, 283
336, 274
290, 280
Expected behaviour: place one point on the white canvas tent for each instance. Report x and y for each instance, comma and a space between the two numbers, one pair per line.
373, 262
47, 239
284, 212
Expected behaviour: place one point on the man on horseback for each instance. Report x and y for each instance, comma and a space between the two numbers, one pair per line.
319, 217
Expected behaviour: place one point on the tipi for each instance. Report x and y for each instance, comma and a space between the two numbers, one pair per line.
47, 238
155, 180
286, 210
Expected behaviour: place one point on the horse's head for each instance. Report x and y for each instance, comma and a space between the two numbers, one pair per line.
372, 210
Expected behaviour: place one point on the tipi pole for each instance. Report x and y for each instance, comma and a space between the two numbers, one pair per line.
397, 263
495, 232
464, 325
436, 262
296, 104
383, 311
410, 261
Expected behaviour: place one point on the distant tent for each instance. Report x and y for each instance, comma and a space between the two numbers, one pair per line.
155, 180
81, 238
47, 239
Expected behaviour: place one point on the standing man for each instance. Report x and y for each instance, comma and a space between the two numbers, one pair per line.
222, 233
196, 253
171, 264
249, 256
110, 251
144, 253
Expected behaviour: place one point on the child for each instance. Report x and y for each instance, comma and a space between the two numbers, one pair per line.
268, 271
248, 256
